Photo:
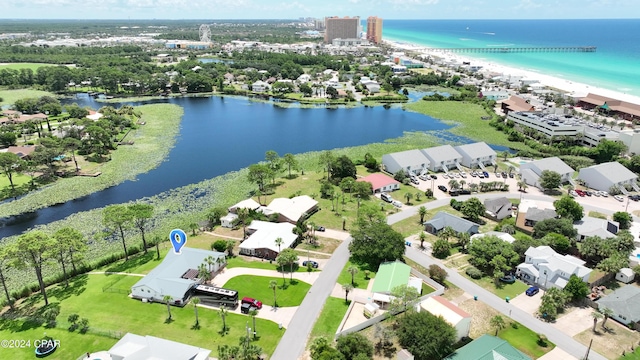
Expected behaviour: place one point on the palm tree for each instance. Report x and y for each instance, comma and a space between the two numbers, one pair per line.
253, 313
606, 312
210, 261
408, 196
596, 315
464, 239
223, 315
422, 211
279, 242
196, 301
167, 299
353, 270
462, 182
243, 215
498, 323
453, 183
273, 285
422, 237
204, 273
347, 287
193, 227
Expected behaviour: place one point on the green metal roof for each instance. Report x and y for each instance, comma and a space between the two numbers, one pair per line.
390, 275
488, 347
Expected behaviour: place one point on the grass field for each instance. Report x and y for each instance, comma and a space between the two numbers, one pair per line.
503, 289
257, 287
358, 279
116, 314
18, 66
525, 340
10, 96
332, 314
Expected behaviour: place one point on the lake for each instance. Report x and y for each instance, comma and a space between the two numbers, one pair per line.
223, 134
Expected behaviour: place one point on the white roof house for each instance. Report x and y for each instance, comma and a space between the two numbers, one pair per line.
262, 241
292, 210
546, 268
501, 235
175, 275
136, 347
260, 86
244, 204
411, 161
475, 153
441, 157
603, 176
531, 171
590, 226
456, 317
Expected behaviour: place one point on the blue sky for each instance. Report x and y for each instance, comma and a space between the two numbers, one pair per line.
293, 9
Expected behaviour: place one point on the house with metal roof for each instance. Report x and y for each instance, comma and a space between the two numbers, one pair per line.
498, 208
475, 154
546, 268
389, 276
229, 220
456, 317
262, 239
488, 347
136, 347
625, 304
443, 219
293, 209
411, 161
381, 182
443, 157
176, 275
532, 171
516, 103
604, 176
590, 226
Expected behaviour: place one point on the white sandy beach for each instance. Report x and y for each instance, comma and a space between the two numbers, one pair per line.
571, 87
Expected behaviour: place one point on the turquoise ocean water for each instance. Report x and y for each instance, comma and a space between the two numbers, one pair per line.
615, 65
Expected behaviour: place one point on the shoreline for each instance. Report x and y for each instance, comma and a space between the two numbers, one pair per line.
572, 88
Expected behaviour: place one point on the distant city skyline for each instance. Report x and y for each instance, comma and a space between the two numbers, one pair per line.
279, 9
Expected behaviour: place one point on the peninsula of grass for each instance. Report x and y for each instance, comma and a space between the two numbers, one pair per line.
153, 142
360, 281
111, 315
257, 287
330, 318
10, 96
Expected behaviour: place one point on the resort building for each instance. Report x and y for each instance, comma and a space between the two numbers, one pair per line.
476, 155
631, 138
456, 317
136, 347
381, 182
374, 29
443, 157
516, 103
341, 28
411, 161
604, 176
262, 239
609, 106
532, 171
545, 268
176, 275
443, 219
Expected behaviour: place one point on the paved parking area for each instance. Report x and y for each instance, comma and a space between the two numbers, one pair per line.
576, 321
528, 304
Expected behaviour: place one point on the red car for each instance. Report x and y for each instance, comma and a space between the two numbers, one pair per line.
252, 302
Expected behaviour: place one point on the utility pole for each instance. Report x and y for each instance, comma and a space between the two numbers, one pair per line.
586, 356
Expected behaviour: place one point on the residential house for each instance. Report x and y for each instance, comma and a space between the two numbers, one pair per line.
229, 219
625, 305
176, 275
23, 152
546, 268
442, 157
590, 226
260, 86
262, 239
372, 86
604, 176
94, 115
501, 235
532, 171
411, 161
456, 317
534, 215
476, 155
498, 208
516, 103
381, 182
389, 276
136, 347
228, 78
294, 209
443, 219
488, 347
495, 95
304, 78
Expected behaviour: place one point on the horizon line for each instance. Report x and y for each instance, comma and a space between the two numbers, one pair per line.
297, 19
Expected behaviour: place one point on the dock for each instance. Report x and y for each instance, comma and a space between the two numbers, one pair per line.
508, 50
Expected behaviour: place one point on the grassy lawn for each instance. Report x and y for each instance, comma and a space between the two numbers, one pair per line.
525, 340
257, 287
325, 245
18, 66
116, 314
411, 225
503, 289
359, 281
10, 96
332, 314
631, 355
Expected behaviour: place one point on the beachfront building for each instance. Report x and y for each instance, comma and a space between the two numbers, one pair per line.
456, 317
442, 158
374, 29
381, 182
262, 239
476, 155
516, 103
546, 268
532, 171
411, 161
611, 107
176, 275
604, 176
341, 28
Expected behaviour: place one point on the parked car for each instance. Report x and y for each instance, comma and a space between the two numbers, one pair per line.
386, 197
246, 308
434, 176
532, 291
414, 180
314, 264
424, 177
320, 228
618, 197
464, 192
396, 203
634, 197
604, 193
486, 174
504, 175
453, 192
251, 301
511, 175
442, 187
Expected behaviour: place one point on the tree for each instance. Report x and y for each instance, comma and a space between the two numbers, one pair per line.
353, 345
558, 242
606, 312
558, 226
624, 218
375, 242
608, 150
196, 300
117, 217
331, 92
290, 257
326, 161
167, 300
353, 270
321, 349
347, 288
223, 315
613, 263
10, 164
425, 335
259, 173
576, 288
408, 196
141, 214
552, 300
437, 273
403, 296
291, 162
485, 249
441, 248
422, 237
596, 315
473, 209
341, 168
550, 180
35, 249
273, 285
230, 245
253, 313
282, 261
274, 162
567, 208
464, 239
498, 323
7, 260
243, 217
73, 244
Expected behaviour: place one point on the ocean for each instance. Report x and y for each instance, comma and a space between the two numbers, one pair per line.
613, 66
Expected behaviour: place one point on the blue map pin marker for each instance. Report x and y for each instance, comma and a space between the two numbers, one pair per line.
178, 240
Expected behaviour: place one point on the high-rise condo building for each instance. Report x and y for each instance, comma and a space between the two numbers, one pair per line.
341, 28
374, 29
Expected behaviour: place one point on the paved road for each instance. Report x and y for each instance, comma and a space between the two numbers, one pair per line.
294, 341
